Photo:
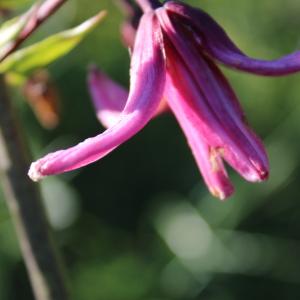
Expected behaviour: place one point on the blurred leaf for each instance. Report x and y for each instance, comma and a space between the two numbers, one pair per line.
15, 79
11, 4
127, 277
10, 29
47, 51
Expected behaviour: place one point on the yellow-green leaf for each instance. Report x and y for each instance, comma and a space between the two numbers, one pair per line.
48, 50
10, 29
11, 4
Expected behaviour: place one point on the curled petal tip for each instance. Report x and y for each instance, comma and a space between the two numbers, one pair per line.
260, 170
263, 175
217, 44
222, 194
34, 172
108, 97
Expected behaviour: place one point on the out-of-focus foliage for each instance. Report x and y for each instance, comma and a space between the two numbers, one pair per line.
43, 97
12, 4
9, 30
140, 224
48, 50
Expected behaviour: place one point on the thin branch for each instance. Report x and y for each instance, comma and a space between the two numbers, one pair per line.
41, 14
26, 209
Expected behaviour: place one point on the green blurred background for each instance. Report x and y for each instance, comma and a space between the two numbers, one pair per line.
140, 224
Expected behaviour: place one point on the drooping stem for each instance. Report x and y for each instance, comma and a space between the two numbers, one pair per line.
26, 209
147, 5
43, 12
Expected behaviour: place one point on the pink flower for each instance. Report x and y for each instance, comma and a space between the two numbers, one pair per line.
173, 60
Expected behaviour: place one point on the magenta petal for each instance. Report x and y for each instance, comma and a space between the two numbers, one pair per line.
232, 114
209, 159
219, 46
147, 71
128, 33
215, 103
132, 15
109, 98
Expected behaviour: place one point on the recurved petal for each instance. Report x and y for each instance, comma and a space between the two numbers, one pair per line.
208, 158
128, 33
216, 43
147, 71
109, 98
215, 104
233, 115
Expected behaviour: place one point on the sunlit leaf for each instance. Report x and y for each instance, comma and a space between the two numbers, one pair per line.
15, 79
45, 52
10, 29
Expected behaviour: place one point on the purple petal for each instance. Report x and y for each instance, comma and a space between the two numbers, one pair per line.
128, 33
109, 98
133, 15
248, 141
209, 159
147, 71
215, 103
218, 45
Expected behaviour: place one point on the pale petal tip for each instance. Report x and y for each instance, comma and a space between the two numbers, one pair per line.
258, 175
222, 193
217, 193
34, 172
263, 175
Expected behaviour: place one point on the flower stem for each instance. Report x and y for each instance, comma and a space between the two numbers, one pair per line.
43, 12
147, 5
26, 208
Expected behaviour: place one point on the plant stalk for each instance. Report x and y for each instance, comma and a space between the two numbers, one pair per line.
41, 14
26, 208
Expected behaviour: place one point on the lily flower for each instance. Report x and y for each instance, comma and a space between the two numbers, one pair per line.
147, 71
174, 60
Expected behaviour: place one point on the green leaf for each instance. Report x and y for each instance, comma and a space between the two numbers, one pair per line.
12, 4
10, 29
50, 49
15, 79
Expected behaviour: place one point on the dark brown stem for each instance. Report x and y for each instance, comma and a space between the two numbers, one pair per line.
147, 5
26, 209
42, 13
